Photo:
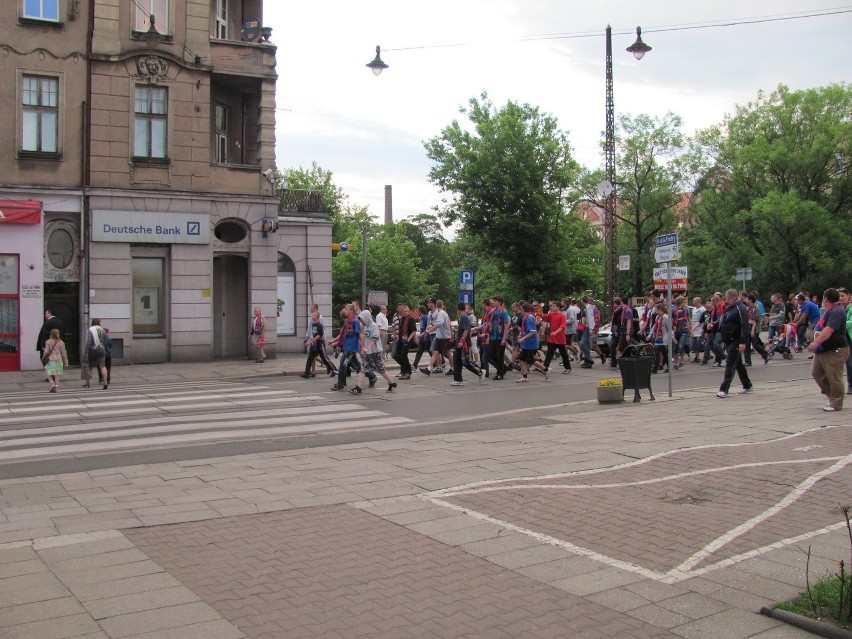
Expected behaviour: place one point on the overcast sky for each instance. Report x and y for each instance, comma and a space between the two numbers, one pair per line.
369, 131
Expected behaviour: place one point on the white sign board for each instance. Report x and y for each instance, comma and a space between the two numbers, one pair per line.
623, 262
159, 228
377, 298
668, 248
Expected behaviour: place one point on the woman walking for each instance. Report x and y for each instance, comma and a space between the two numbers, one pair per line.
258, 335
95, 339
55, 359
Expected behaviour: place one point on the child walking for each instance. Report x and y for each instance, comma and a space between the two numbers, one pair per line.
55, 360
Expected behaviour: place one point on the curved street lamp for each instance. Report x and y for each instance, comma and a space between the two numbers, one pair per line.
638, 49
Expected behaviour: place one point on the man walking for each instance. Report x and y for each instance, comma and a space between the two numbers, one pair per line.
497, 336
50, 322
735, 330
405, 333
463, 344
831, 350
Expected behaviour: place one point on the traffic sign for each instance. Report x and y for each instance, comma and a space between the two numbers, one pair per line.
679, 274
668, 248
466, 297
466, 277
743, 274
344, 246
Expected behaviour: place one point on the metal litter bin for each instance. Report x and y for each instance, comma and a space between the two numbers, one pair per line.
635, 366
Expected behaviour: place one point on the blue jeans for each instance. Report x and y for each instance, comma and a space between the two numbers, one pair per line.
585, 347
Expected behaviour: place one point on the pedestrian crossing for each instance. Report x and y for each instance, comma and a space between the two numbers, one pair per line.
166, 416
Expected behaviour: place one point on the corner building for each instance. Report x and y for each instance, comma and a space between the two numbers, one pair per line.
158, 177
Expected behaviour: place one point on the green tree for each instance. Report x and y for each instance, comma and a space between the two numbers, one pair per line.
334, 200
506, 176
392, 264
776, 192
652, 173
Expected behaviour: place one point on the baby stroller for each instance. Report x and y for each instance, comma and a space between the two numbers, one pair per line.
784, 342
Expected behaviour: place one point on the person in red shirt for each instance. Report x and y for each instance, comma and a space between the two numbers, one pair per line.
556, 337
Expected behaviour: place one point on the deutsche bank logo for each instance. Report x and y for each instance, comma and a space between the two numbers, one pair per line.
193, 228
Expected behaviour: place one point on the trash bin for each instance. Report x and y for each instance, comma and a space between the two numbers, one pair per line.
635, 366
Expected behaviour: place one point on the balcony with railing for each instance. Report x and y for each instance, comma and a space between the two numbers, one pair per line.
299, 201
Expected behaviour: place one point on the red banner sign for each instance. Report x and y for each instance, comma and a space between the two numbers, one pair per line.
20, 212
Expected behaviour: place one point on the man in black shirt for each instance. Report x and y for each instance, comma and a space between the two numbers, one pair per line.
735, 330
50, 322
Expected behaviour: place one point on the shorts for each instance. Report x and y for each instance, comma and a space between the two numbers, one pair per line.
527, 355
442, 345
372, 363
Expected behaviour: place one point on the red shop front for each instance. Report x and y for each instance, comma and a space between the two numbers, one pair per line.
12, 212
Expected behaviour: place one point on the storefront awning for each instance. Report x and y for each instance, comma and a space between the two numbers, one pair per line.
20, 212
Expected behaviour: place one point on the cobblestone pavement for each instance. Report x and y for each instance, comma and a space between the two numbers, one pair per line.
669, 519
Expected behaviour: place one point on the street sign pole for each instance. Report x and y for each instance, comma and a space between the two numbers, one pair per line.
671, 322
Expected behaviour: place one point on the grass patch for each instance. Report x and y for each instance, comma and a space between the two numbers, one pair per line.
823, 601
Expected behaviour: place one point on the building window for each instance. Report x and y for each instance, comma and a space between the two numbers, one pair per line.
42, 9
150, 125
40, 114
220, 131
144, 9
221, 28
148, 295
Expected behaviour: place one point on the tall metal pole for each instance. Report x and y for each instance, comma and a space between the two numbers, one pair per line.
364, 267
610, 258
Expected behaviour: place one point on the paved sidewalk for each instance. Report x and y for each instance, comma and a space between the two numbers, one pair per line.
674, 518
134, 374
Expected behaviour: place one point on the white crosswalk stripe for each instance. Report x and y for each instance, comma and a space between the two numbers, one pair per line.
87, 422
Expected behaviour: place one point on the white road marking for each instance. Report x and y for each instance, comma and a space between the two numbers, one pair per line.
686, 569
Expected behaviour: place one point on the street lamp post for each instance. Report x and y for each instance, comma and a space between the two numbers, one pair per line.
364, 266
638, 49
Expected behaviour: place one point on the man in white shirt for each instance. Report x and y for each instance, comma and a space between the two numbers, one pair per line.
382, 324
442, 330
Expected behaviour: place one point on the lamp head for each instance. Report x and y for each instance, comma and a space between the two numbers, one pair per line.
377, 65
638, 48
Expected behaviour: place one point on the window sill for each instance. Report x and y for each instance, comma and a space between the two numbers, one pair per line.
150, 162
39, 155
40, 22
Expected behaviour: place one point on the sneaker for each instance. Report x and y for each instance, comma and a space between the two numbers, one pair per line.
338, 387
546, 374
438, 369
304, 376
448, 372
406, 376
717, 365
481, 378
565, 371
55, 390
105, 387
521, 380
497, 378
391, 387
356, 390
827, 409
746, 391
585, 365
425, 370
455, 383
721, 394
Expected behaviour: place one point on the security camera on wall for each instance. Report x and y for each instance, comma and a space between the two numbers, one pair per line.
269, 174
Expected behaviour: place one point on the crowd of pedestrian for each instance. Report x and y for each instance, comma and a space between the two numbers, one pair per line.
526, 337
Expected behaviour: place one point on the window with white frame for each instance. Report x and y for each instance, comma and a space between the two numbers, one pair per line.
151, 122
220, 127
39, 114
41, 9
221, 28
144, 9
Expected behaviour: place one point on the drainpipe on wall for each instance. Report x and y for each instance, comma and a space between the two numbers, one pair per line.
87, 174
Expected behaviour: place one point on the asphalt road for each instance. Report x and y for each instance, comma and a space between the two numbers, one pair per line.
148, 424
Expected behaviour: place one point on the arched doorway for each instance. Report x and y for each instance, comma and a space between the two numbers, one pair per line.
230, 291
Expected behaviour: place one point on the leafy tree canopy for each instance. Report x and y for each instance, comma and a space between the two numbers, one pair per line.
776, 192
506, 176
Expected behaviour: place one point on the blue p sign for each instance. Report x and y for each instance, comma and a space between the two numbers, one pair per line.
466, 277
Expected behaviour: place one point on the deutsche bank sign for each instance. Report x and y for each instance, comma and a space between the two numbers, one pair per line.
159, 228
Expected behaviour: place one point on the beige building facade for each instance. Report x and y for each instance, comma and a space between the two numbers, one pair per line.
149, 149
